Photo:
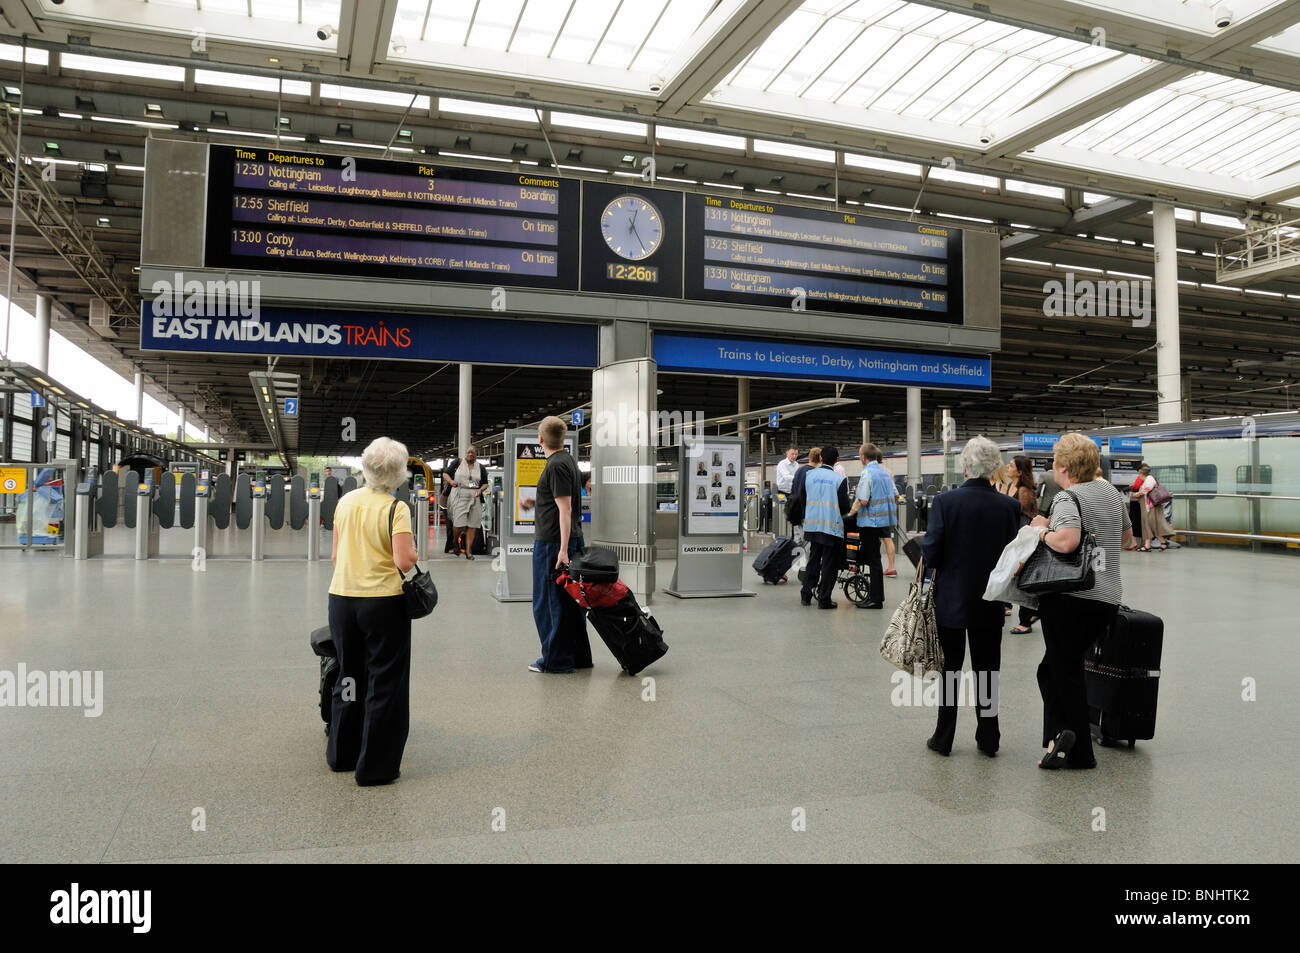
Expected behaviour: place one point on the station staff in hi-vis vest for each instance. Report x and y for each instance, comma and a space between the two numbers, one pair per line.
826, 503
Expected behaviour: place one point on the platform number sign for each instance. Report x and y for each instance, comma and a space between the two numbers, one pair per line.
774, 419
578, 417
291, 406
38, 400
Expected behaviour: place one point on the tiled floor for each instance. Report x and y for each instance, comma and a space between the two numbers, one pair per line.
767, 717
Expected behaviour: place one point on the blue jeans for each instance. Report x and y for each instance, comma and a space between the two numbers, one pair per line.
561, 626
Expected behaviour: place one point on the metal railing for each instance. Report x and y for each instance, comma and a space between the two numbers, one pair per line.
1258, 251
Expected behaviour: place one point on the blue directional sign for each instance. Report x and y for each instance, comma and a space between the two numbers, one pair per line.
774, 419
578, 417
1125, 444
38, 400
291, 406
1039, 442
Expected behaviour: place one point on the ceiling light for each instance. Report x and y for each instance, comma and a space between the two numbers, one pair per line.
323, 33
399, 46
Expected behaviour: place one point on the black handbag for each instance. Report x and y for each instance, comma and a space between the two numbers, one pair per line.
594, 564
1047, 571
419, 591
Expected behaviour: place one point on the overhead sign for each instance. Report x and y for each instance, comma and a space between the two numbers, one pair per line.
307, 212
745, 251
578, 417
38, 399
1039, 442
1125, 444
687, 353
291, 406
312, 332
774, 419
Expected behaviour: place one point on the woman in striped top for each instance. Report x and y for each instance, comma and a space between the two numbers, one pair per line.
1073, 621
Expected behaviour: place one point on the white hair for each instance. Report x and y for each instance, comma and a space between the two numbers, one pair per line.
980, 457
384, 464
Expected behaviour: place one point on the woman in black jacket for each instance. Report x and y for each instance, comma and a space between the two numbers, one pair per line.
968, 529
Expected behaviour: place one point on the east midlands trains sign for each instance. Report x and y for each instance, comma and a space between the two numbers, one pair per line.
303, 332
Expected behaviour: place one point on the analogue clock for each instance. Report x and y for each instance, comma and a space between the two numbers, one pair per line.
632, 227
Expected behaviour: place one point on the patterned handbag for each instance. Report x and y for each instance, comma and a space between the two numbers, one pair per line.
912, 638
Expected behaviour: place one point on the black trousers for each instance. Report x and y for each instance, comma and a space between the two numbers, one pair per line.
1070, 625
824, 560
869, 538
985, 661
1027, 616
372, 714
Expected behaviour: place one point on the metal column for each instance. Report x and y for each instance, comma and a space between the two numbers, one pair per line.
42, 334
742, 425
1169, 375
464, 420
139, 398
914, 436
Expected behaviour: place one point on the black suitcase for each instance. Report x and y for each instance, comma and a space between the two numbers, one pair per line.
1122, 673
322, 643
594, 564
631, 634
775, 561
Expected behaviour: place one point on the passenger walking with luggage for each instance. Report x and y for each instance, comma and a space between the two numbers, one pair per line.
557, 535
1020, 486
876, 513
373, 548
969, 527
1073, 621
826, 503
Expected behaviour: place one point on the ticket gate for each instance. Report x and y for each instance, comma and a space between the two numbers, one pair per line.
87, 528
146, 528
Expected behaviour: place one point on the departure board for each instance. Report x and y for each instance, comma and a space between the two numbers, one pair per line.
743, 251
356, 215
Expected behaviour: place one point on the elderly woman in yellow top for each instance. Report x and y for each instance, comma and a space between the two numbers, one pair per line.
373, 548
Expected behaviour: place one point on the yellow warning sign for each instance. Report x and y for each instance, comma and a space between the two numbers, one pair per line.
13, 479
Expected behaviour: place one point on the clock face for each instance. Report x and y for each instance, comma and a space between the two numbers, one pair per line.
633, 228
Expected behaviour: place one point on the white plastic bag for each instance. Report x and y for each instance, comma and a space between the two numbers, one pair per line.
1002, 580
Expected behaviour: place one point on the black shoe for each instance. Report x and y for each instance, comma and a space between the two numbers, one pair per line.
805, 601
934, 746
370, 784
991, 752
827, 605
871, 605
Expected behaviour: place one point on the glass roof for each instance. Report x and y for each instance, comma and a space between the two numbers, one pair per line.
636, 35
911, 60
312, 12
1203, 123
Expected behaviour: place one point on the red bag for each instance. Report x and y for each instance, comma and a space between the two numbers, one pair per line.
592, 595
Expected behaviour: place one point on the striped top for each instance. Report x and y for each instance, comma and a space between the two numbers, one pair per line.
1105, 515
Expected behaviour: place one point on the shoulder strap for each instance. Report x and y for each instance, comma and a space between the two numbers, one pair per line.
1083, 525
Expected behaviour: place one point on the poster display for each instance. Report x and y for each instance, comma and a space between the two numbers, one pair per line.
713, 487
530, 461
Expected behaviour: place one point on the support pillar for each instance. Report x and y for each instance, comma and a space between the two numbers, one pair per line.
139, 398
1169, 380
466, 405
180, 431
914, 436
43, 334
742, 426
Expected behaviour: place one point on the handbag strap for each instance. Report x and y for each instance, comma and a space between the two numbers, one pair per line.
391, 510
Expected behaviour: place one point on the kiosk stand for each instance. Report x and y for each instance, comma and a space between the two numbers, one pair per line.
524, 461
710, 493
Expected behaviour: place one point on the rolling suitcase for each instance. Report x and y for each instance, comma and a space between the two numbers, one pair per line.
631, 633
775, 561
322, 643
1122, 674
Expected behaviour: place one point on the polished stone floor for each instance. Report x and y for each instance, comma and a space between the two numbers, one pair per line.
763, 713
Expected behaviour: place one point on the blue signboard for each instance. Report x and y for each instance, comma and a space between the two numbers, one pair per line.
291, 406
1125, 445
1039, 442
697, 354
38, 400
578, 417
322, 332
774, 419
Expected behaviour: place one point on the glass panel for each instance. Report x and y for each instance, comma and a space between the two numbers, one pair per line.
494, 21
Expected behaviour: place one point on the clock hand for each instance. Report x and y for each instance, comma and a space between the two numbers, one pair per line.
638, 237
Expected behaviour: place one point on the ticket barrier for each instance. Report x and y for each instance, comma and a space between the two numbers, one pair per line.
421, 527
88, 530
147, 527
314, 496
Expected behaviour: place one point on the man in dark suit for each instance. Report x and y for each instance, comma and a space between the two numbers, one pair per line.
968, 529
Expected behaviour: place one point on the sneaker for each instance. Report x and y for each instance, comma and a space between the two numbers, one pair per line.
537, 667
1172, 545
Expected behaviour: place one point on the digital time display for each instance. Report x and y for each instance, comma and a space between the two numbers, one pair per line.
631, 272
